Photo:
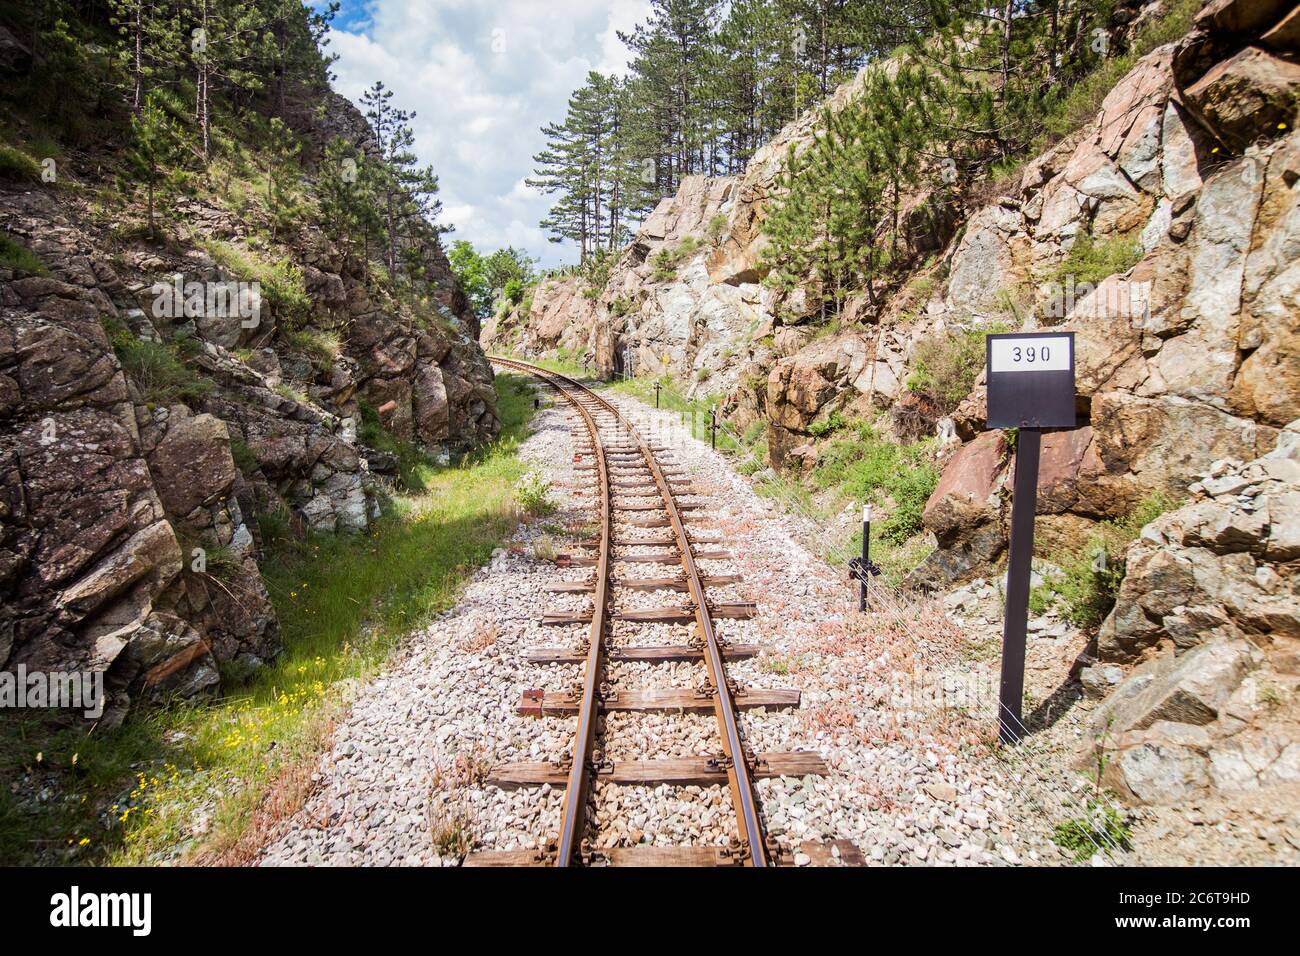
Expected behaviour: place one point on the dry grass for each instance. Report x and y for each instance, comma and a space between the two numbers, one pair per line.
468, 768
452, 822
482, 638
281, 799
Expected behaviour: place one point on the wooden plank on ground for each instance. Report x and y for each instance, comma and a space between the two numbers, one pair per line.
666, 652
683, 699
824, 854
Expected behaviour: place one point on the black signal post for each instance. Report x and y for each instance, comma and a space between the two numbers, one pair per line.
1030, 380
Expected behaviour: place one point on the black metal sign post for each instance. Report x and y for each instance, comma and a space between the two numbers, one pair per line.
1030, 379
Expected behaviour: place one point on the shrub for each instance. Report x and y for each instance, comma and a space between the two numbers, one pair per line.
14, 255
1100, 828
156, 369
1090, 578
1091, 260
832, 423
944, 367
715, 227
865, 466
669, 258
532, 493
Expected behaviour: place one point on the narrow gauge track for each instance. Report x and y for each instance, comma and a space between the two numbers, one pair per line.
624, 462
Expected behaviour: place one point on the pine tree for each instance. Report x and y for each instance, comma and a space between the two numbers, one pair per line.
155, 146
150, 32
226, 41
280, 155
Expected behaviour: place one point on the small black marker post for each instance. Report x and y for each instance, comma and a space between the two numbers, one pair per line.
713, 427
866, 557
657, 387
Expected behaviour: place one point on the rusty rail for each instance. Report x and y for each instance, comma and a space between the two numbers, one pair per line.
739, 763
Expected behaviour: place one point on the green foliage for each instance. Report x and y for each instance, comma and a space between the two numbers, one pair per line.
668, 259
243, 455
155, 150
1079, 104
944, 367
321, 345
1091, 260
1100, 828
506, 273
280, 155
282, 283
713, 231
865, 466
832, 423
533, 494
1090, 578
157, 369
412, 462
14, 255
17, 165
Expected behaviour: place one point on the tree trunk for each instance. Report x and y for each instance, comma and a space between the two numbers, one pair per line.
137, 98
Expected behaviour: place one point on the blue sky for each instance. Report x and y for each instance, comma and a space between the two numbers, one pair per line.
483, 77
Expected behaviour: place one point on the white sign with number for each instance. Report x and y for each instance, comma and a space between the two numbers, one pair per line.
1037, 354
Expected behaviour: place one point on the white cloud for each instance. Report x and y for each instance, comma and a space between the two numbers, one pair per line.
483, 79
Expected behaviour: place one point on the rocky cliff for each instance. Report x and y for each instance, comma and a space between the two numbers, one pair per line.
1188, 356
145, 447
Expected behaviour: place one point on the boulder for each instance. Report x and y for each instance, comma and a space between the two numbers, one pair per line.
964, 512
1186, 689
1247, 96
193, 463
1162, 764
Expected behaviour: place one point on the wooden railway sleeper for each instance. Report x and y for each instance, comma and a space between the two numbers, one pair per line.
600, 765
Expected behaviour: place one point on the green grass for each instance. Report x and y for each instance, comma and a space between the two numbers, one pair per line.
14, 255
281, 281
321, 346
866, 466
15, 164
344, 602
1085, 589
1091, 260
158, 369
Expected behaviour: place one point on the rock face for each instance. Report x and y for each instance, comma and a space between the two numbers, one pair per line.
131, 505
1191, 355
1210, 608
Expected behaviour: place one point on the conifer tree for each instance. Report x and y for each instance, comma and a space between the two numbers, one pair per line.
155, 147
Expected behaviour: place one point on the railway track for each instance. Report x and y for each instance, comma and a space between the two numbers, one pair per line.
637, 486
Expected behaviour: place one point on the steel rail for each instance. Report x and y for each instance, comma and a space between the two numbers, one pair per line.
573, 816
741, 784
